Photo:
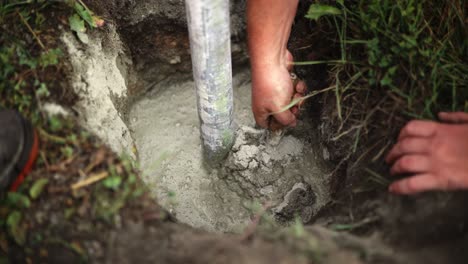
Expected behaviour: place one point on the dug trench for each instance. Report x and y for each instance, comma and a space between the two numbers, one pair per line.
136, 94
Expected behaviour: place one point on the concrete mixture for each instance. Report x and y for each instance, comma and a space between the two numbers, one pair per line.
280, 169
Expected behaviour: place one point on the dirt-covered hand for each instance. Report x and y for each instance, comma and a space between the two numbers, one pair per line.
434, 154
272, 90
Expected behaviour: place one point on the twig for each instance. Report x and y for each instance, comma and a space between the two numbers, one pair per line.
61, 166
32, 31
53, 138
92, 179
44, 158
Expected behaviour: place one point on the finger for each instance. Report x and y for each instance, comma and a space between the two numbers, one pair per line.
261, 118
418, 128
418, 183
408, 145
275, 125
295, 111
301, 102
411, 164
285, 118
454, 117
301, 88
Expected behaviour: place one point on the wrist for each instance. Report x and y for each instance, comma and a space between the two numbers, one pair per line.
269, 58
269, 26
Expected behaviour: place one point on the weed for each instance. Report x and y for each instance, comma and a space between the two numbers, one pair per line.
29, 58
353, 226
397, 60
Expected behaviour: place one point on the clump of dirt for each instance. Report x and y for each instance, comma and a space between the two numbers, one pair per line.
99, 78
273, 166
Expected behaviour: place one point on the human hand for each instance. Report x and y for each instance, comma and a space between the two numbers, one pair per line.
272, 90
435, 154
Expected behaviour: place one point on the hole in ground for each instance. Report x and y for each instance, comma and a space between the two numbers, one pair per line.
161, 123
261, 167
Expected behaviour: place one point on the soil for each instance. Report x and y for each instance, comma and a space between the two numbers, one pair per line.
144, 106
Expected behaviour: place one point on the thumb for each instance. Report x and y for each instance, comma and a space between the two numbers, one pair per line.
285, 118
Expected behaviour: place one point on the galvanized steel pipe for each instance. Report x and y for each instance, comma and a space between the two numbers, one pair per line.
210, 45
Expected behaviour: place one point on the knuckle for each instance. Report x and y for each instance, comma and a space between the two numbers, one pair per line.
406, 163
406, 144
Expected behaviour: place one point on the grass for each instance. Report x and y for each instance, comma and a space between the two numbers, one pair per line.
30, 57
74, 177
395, 61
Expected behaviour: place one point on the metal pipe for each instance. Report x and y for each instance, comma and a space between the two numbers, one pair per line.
210, 45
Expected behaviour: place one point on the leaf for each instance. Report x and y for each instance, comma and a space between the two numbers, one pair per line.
50, 57
14, 219
131, 179
386, 80
67, 151
42, 91
76, 24
25, 58
112, 182
37, 188
85, 14
14, 227
316, 11
18, 200
55, 123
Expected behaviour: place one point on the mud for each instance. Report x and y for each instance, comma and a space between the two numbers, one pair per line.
260, 168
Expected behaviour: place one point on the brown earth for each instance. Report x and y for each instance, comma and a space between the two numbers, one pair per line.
107, 222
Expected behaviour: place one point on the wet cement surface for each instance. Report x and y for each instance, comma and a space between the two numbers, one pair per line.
283, 169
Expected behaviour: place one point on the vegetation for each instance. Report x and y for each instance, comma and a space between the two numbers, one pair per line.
29, 53
397, 60
98, 184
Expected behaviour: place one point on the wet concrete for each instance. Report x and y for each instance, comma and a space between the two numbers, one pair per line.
262, 167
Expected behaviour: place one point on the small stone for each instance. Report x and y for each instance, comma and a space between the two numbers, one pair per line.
175, 60
325, 153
